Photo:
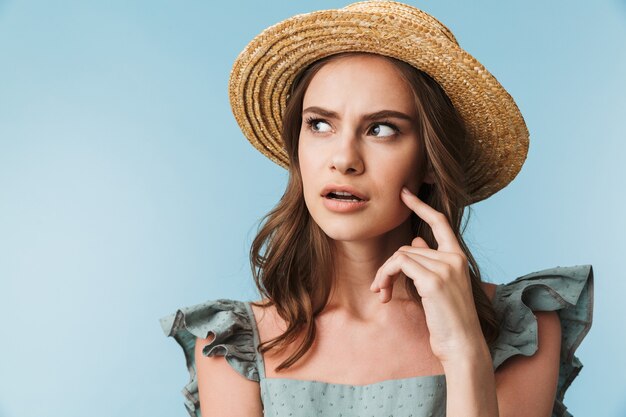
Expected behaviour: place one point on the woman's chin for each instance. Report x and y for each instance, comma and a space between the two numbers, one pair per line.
345, 237
347, 232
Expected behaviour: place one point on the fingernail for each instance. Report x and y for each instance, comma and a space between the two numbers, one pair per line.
406, 190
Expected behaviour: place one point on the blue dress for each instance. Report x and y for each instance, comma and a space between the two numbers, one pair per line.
568, 290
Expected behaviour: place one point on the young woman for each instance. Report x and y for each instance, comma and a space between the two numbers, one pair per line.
372, 304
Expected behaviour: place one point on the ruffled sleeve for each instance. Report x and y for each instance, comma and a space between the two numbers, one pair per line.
229, 321
566, 290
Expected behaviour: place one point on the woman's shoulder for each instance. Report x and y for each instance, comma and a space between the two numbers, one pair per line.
565, 290
225, 328
217, 317
560, 296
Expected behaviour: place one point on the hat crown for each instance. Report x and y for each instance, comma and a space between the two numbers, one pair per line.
402, 11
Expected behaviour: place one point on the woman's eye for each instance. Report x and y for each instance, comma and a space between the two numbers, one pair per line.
391, 129
388, 129
316, 122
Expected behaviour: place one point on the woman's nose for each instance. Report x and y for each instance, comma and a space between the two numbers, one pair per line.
346, 155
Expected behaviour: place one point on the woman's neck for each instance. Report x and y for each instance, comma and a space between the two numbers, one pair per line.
356, 264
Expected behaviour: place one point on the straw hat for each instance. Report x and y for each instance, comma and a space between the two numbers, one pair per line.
264, 71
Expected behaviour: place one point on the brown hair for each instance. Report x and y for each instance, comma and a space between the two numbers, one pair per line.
296, 270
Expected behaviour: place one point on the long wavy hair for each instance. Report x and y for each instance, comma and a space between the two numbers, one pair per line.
292, 258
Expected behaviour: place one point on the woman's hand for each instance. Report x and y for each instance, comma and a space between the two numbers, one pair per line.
442, 279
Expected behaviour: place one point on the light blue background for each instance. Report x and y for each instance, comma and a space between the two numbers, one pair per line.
127, 189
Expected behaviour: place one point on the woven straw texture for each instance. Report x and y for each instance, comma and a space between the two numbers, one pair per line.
264, 71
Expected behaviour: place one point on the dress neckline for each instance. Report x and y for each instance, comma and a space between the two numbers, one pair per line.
437, 378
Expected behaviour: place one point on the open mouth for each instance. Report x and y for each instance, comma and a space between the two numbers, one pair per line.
342, 197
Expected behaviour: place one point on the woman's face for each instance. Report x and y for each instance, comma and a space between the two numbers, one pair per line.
340, 145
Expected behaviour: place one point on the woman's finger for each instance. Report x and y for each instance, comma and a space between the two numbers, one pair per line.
442, 230
430, 253
419, 242
388, 273
404, 263
425, 252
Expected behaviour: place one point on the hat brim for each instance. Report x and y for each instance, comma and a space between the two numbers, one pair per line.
263, 72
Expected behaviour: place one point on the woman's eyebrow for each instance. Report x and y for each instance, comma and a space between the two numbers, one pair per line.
372, 116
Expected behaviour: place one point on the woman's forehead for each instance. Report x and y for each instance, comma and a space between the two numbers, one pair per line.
368, 80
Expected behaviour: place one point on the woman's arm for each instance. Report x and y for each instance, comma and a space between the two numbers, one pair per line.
471, 385
222, 390
525, 386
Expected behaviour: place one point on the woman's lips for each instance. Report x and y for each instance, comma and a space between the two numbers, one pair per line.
343, 206
329, 188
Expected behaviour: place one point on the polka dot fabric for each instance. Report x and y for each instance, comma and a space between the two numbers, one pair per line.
409, 397
566, 290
